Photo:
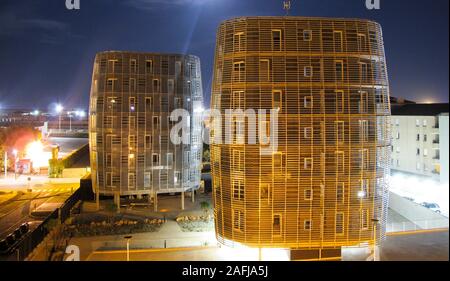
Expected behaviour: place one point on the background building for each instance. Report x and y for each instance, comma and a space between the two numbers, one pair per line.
420, 140
325, 186
132, 96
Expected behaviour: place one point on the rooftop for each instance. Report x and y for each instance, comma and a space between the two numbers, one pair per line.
420, 109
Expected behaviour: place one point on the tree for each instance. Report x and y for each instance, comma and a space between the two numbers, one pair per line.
205, 207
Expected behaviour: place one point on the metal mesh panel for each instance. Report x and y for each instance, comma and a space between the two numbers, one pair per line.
132, 97
327, 182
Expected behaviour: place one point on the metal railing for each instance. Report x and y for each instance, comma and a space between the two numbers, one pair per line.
416, 225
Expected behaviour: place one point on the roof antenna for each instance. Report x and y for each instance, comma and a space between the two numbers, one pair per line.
287, 6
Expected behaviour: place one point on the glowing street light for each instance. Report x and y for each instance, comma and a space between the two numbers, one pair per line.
59, 109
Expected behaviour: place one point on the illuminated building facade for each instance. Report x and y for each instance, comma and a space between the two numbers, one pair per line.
325, 186
132, 97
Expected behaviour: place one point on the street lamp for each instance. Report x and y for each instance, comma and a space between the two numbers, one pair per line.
128, 246
59, 109
70, 120
15, 163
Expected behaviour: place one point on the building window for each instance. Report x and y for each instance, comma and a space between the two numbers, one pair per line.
276, 40
308, 194
307, 225
265, 192
238, 42
307, 102
307, 133
398, 135
239, 130
308, 71
417, 151
424, 122
131, 180
397, 149
307, 35
418, 166
238, 99
417, 122
238, 160
148, 141
133, 66
132, 123
110, 84
132, 101
340, 192
363, 71
397, 122
364, 156
277, 224
277, 100
339, 223
424, 138
264, 70
239, 71
147, 179
364, 130
238, 189
238, 221
155, 86
176, 177
337, 41
364, 191
109, 181
339, 70
361, 42
112, 65
277, 163
149, 66
307, 164
155, 122
425, 152
363, 102
417, 137
155, 159
148, 104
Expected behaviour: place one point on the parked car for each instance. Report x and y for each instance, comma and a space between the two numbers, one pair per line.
432, 206
24, 228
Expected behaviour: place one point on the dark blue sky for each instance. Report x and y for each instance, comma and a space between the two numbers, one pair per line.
47, 51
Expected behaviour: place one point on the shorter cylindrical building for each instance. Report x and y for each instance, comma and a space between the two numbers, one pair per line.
132, 98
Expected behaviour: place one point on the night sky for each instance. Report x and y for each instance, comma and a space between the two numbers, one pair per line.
47, 51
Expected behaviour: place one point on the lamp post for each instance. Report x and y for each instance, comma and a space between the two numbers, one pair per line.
59, 109
15, 163
128, 246
70, 120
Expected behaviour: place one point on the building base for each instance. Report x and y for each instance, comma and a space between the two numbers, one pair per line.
334, 254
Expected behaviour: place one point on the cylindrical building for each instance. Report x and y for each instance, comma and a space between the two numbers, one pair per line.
325, 185
132, 97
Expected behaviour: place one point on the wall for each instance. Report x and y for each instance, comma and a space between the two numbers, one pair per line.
416, 213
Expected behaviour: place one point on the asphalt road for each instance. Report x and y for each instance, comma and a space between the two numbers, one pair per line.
66, 145
17, 210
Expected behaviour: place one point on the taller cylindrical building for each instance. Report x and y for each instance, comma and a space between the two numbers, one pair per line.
132, 97
325, 185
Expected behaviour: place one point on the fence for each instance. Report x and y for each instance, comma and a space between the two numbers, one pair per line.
416, 225
32, 239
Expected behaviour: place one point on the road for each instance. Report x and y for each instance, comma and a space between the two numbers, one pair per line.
16, 211
66, 145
